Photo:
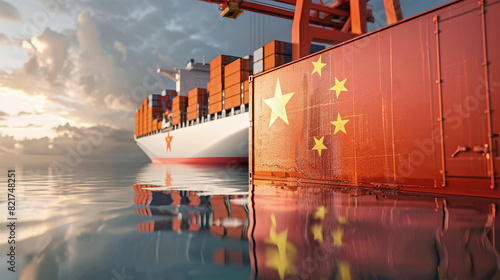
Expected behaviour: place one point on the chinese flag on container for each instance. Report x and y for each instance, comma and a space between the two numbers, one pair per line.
313, 118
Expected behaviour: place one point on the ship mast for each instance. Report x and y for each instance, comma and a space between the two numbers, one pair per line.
329, 22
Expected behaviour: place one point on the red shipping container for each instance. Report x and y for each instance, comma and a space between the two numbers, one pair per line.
388, 126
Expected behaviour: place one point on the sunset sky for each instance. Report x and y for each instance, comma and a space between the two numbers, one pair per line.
70, 69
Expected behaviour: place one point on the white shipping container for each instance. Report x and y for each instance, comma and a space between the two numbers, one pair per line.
258, 66
258, 54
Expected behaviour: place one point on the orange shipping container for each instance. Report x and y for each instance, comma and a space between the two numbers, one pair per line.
240, 64
274, 47
232, 102
197, 96
236, 78
179, 103
215, 108
232, 91
215, 98
215, 88
273, 61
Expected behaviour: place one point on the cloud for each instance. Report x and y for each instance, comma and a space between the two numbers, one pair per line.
22, 126
7, 141
9, 12
23, 113
3, 39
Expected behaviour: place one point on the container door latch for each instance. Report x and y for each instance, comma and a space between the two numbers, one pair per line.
459, 150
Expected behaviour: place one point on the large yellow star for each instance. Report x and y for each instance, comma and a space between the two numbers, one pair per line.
319, 145
339, 124
317, 66
317, 231
283, 258
320, 213
278, 103
339, 86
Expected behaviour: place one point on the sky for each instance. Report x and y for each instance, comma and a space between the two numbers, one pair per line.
72, 73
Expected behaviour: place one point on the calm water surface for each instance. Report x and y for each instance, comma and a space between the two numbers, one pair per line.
136, 221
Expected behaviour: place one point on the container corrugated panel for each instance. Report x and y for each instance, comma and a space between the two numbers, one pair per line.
232, 90
235, 78
232, 102
215, 107
238, 65
258, 66
371, 114
277, 47
216, 98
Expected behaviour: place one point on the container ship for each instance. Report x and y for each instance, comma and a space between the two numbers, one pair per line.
206, 118
201, 121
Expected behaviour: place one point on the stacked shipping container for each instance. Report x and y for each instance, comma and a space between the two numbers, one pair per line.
235, 74
216, 84
150, 114
277, 53
274, 54
197, 103
179, 106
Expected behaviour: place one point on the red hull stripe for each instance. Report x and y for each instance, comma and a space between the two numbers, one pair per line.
216, 160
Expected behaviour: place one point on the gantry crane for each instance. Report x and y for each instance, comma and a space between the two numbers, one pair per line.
321, 21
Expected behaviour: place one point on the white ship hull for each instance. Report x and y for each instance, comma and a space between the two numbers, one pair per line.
217, 141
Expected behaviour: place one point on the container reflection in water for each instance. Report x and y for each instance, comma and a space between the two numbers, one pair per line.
322, 233
193, 209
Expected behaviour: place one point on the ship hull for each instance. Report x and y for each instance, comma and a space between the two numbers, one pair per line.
223, 140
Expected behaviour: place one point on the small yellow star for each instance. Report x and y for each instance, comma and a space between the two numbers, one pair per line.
319, 145
339, 86
320, 213
342, 219
278, 103
317, 66
339, 124
316, 229
337, 237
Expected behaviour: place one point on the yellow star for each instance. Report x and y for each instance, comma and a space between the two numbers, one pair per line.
344, 271
317, 66
337, 237
342, 219
319, 145
339, 86
277, 104
317, 232
320, 213
339, 124
283, 258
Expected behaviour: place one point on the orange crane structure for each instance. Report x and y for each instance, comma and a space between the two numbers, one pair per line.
322, 21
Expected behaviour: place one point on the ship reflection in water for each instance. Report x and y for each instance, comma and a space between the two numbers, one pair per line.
318, 233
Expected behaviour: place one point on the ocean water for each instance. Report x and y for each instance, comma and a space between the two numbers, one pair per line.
145, 221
